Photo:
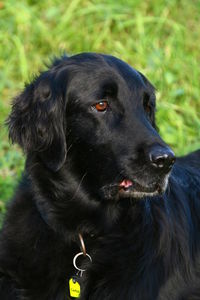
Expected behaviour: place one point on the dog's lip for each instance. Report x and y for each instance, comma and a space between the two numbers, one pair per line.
130, 186
125, 184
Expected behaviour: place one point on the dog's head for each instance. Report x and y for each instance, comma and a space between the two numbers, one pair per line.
95, 115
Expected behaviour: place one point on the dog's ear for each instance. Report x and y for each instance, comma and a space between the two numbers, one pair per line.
36, 121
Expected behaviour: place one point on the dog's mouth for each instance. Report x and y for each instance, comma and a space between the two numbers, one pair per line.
132, 188
129, 188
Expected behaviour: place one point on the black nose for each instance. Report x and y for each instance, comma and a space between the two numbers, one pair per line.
161, 157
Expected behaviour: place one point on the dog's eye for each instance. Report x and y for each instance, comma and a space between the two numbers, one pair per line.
147, 104
148, 108
101, 106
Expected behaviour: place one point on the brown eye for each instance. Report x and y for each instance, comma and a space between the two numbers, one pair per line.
101, 106
147, 104
148, 108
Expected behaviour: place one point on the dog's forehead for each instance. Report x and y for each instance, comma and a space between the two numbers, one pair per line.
95, 71
96, 65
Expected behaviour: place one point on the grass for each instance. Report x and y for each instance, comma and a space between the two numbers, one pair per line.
158, 37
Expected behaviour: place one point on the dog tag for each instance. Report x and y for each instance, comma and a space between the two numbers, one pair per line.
74, 287
74, 282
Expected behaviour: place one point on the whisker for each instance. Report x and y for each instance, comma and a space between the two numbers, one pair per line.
78, 188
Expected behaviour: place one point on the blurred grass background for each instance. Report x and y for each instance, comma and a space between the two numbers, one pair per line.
160, 38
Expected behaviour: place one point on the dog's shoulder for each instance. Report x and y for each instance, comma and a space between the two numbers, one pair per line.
190, 160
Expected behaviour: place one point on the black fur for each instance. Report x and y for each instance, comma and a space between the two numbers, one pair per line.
143, 246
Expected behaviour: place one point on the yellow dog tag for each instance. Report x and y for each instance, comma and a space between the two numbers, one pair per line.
74, 288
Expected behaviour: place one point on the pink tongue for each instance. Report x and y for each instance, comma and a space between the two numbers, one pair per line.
126, 183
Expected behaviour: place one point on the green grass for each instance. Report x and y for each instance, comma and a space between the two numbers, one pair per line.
160, 38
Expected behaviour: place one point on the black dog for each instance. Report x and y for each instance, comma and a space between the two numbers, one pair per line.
96, 166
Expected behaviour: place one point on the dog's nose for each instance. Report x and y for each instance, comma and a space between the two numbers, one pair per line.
161, 157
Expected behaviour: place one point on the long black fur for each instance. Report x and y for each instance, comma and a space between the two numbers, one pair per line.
143, 248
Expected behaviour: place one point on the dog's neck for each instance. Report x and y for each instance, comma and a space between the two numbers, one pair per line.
66, 212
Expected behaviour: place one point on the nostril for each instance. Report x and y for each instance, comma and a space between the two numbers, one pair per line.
161, 157
158, 161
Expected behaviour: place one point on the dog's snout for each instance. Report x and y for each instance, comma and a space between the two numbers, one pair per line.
161, 157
